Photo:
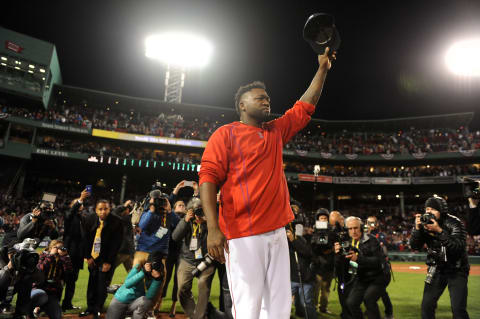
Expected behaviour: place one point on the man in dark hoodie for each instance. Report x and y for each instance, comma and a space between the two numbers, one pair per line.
447, 260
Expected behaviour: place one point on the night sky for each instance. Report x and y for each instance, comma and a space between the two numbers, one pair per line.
390, 63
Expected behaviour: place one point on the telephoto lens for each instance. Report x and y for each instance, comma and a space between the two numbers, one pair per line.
202, 266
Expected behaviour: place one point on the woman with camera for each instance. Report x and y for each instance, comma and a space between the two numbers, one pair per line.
137, 294
56, 266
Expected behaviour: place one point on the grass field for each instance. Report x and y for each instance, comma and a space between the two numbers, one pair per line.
405, 292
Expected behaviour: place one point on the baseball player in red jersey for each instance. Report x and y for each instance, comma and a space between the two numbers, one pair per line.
244, 160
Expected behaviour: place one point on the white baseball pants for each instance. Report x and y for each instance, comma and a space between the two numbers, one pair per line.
258, 270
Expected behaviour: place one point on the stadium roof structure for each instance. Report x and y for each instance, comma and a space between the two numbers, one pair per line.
123, 102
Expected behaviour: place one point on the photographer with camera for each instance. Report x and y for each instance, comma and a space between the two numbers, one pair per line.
301, 275
372, 229
365, 257
322, 241
173, 258
56, 266
39, 224
19, 275
156, 224
447, 260
137, 294
74, 241
343, 271
194, 260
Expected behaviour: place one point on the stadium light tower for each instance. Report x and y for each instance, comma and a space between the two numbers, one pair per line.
179, 51
463, 58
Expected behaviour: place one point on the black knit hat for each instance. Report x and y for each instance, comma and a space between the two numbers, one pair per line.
437, 203
322, 212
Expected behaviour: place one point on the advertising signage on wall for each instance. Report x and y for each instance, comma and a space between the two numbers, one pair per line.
148, 138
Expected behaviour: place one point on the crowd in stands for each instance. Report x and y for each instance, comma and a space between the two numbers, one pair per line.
145, 153
171, 124
382, 171
402, 142
104, 149
161, 124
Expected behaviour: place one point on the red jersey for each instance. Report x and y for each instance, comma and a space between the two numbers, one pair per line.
246, 163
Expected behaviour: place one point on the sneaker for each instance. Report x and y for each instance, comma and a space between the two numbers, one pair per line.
36, 312
389, 317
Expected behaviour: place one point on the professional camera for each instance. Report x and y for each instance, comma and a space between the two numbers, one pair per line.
203, 265
199, 212
24, 258
157, 185
158, 266
471, 188
343, 239
320, 233
46, 206
427, 218
159, 200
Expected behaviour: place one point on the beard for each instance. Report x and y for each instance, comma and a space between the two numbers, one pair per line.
261, 115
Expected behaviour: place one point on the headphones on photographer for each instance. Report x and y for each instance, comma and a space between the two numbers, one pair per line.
358, 219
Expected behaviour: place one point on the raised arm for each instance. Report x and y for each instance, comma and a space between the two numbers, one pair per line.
312, 94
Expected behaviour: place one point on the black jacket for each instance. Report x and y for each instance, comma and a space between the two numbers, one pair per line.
183, 233
37, 230
305, 257
112, 237
128, 244
325, 253
74, 236
454, 240
473, 221
371, 260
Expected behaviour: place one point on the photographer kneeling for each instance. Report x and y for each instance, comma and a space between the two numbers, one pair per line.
56, 266
194, 260
38, 224
366, 255
447, 259
138, 292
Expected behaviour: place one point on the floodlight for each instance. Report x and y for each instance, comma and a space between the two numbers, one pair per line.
179, 49
463, 58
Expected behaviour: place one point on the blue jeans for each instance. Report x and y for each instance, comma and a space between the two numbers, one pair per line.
49, 303
308, 293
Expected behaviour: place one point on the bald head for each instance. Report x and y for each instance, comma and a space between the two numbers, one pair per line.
335, 217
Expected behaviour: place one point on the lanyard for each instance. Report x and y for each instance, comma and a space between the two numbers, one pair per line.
355, 243
195, 228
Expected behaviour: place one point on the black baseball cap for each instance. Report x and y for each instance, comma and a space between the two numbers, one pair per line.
320, 32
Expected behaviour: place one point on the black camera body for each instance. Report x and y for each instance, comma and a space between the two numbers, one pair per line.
47, 210
426, 218
471, 188
25, 258
344, 240
319, 238
199, 212
320, 234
